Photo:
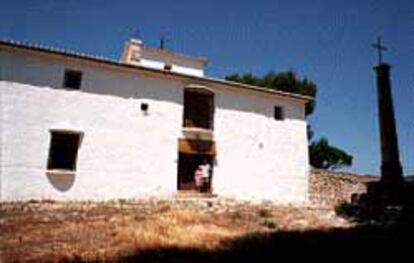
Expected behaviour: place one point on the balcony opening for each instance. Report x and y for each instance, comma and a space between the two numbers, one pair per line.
198, 108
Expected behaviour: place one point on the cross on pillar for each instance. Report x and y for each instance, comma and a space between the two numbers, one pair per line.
391, 170
380, 48
136, 34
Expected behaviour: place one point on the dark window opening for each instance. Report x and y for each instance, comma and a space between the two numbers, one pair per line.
72, 79
198, 108
144, 106
63, 151
167, 67
278, 114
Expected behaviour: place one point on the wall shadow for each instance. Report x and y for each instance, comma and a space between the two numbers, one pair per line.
60, 182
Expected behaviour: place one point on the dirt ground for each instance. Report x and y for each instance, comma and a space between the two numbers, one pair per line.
110, 231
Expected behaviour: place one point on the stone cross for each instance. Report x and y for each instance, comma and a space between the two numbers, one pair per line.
136, 34
380, 48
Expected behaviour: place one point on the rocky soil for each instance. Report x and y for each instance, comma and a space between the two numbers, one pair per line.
108, 231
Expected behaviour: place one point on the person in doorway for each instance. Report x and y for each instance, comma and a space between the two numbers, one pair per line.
198, 177
205, 174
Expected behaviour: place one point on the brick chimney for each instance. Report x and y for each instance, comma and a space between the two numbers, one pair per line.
136, 53
132, 52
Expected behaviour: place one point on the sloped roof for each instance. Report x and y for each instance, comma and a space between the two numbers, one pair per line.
175, 54
105, 60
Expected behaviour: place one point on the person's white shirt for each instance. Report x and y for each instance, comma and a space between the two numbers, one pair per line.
205, 168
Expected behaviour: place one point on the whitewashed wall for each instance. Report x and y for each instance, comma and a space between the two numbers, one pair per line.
126, 154
259, 157
155, 58
183, 69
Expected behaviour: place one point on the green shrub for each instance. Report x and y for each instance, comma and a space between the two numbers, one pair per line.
346, 210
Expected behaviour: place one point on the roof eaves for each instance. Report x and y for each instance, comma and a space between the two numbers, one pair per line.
59, 51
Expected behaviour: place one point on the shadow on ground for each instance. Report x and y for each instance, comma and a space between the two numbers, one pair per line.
268, 248
366, 239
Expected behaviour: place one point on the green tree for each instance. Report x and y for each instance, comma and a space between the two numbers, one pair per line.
321, 153
284, 81
325, 156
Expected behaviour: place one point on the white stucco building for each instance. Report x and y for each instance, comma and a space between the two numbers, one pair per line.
79, 127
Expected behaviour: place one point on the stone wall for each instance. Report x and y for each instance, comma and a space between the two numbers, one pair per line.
328, 188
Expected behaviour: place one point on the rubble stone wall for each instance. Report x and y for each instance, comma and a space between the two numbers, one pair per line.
328, 188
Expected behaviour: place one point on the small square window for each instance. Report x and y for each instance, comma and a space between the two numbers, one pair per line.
167, 67
278, 114
63, 151
72, 79
144, 107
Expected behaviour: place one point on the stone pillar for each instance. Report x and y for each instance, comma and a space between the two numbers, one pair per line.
391, 171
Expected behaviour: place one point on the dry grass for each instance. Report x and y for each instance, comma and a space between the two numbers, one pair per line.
107, 231
179, 228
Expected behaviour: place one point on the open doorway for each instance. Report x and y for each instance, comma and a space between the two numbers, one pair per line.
187, 165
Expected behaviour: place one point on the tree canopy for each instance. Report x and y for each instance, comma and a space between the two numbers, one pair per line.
325, 156
321, 153
285, 81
